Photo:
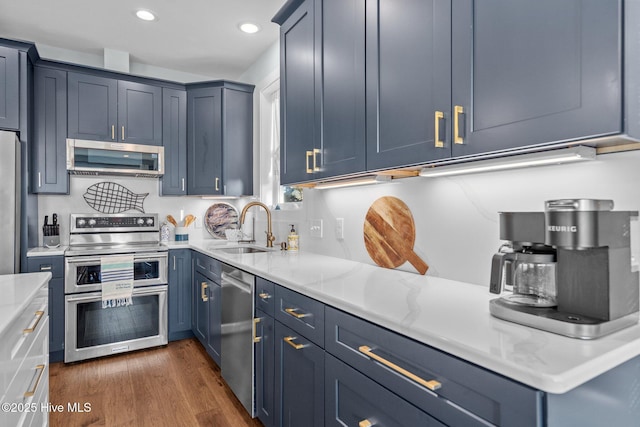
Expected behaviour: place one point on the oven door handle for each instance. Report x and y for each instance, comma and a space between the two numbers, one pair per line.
84, 260
96, 296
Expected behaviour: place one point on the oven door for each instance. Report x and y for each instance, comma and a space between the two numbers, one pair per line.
83, 273
93, 331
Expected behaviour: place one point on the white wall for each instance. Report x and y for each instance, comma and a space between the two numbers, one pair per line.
456, 218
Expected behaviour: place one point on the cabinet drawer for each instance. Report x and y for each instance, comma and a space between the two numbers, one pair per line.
302, 314
463, 394
209, 267
265, 296
353, 399
52, 264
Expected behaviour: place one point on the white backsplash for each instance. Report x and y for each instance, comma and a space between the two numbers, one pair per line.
456, 218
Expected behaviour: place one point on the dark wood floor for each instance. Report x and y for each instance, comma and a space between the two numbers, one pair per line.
176, 385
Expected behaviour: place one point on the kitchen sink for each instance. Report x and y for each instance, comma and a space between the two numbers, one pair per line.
242, 250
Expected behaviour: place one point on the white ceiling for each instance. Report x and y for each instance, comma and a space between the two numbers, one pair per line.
192, 36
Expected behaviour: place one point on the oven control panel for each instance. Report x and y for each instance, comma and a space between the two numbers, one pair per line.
113, 223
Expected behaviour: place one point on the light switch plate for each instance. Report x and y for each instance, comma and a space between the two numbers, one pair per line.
339, 230
315, 228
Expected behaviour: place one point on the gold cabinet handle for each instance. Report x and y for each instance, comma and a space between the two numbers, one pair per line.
431, 385
203, 295
264, 295
217, 184
309, 154
438, 116
39, 315
294, 313
289, 340
123, 133
316, 168
365, 423
256, 339
113, 131
35, 386
457, 111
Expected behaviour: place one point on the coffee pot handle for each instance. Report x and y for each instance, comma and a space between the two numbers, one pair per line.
500, 262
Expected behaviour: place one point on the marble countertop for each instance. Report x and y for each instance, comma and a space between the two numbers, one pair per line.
44, 251
448, 315
17, 291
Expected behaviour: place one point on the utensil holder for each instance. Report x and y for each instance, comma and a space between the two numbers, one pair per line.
51, 236
182, 234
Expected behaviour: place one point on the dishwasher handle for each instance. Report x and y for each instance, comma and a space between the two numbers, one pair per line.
243, 286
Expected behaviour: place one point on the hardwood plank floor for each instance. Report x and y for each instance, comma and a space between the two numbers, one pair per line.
176, 385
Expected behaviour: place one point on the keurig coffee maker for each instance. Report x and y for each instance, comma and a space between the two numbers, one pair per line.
568, 269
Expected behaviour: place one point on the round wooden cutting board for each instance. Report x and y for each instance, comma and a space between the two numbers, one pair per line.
389, 234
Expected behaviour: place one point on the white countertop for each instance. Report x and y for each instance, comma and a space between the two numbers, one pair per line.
17, 291
448, 315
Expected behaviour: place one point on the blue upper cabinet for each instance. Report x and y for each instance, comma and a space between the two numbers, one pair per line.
49, 169
105, 109
408, 82
139, 113
527, 73
174, 140
9, 88
220, 139
300, 124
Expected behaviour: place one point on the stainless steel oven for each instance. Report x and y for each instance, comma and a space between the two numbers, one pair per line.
94, 241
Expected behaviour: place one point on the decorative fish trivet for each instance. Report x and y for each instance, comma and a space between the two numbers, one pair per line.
109, 197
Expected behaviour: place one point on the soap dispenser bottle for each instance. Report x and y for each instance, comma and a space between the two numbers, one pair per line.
292, 239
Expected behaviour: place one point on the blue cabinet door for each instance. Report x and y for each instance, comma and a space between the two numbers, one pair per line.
200, 308
265, 368
342, 26
300, 118
550, 71
49, 167
408, 60
180, 294
237, 142
9, 89
139, 113
299, 380
204, 147
93, 107
214, 330
174, 140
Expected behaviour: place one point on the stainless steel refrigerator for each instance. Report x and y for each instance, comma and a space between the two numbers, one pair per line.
10, 160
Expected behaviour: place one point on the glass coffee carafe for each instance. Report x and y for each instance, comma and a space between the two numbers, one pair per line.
530, 273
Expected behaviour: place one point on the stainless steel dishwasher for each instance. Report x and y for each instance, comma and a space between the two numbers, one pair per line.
237, 339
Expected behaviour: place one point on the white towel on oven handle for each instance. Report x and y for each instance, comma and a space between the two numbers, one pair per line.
117, 280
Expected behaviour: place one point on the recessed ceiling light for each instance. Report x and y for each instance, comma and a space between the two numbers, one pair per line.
146, 15
249, 28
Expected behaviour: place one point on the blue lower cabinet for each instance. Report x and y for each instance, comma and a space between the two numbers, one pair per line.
214, 331
180, 291
299, 385
205, 318
265, 368
55, 266
352, 399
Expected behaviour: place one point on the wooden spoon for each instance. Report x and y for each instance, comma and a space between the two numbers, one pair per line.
172, 220
188, 220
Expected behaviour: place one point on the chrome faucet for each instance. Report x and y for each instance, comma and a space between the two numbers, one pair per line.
270, 237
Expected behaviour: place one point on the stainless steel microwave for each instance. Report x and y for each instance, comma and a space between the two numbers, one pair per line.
111, 158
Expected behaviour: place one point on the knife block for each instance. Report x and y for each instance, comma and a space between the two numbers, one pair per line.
51, 236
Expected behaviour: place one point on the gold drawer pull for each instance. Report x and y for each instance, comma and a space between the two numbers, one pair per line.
289, 340
35, 386
365, 423
113, 131
294, 313
203, 295
316, 168
217, 184
123, 133
431, 385
264, 295
309, 154
39, 315
256, 339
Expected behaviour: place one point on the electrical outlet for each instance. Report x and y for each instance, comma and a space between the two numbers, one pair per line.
339, 228
315, 230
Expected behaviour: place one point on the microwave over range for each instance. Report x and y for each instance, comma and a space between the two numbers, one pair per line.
112, 158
